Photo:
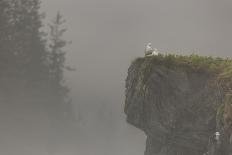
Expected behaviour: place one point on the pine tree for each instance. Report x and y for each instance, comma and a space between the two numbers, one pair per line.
57, 66
5, 37
23, 54
28, 46
57, 53
32, 68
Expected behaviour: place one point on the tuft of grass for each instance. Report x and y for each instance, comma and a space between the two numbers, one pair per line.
219, 67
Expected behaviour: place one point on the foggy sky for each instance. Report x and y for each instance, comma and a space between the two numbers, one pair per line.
108, 34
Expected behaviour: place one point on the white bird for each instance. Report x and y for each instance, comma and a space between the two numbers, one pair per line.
155, 52
149, 51
217, 137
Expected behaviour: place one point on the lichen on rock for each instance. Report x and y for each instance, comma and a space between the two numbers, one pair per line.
178, 101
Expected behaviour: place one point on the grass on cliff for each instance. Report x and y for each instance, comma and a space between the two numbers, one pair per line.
221, 68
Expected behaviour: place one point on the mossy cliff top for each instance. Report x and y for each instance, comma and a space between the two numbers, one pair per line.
178, 101
218, 67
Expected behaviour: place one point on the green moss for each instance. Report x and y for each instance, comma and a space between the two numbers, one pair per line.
144, 71
228, 98
219, 115
220, 109
220, 68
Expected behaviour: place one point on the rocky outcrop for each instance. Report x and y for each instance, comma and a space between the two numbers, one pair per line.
179, 103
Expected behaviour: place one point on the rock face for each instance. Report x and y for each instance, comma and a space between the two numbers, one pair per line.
176, 103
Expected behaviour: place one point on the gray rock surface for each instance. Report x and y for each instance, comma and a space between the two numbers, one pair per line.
175, 106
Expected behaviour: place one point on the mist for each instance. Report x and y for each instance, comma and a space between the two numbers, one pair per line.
106, 36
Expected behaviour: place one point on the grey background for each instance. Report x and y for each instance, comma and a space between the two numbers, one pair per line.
108, 34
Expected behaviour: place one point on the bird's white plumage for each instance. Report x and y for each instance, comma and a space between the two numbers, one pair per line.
149, 51
148, 47
155, 52
217, 136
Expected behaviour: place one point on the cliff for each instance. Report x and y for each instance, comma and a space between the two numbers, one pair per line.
180, 102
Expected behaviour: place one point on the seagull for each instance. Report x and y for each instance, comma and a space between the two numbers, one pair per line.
217, 137
149, 51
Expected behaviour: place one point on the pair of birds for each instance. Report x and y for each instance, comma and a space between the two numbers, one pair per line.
149, 51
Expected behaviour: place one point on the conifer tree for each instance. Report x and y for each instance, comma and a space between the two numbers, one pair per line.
28, 47
57, 52
57, 65
22, 49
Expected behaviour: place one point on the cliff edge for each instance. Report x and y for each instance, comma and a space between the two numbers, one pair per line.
180, 102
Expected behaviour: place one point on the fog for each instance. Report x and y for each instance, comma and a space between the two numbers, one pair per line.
106, 36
